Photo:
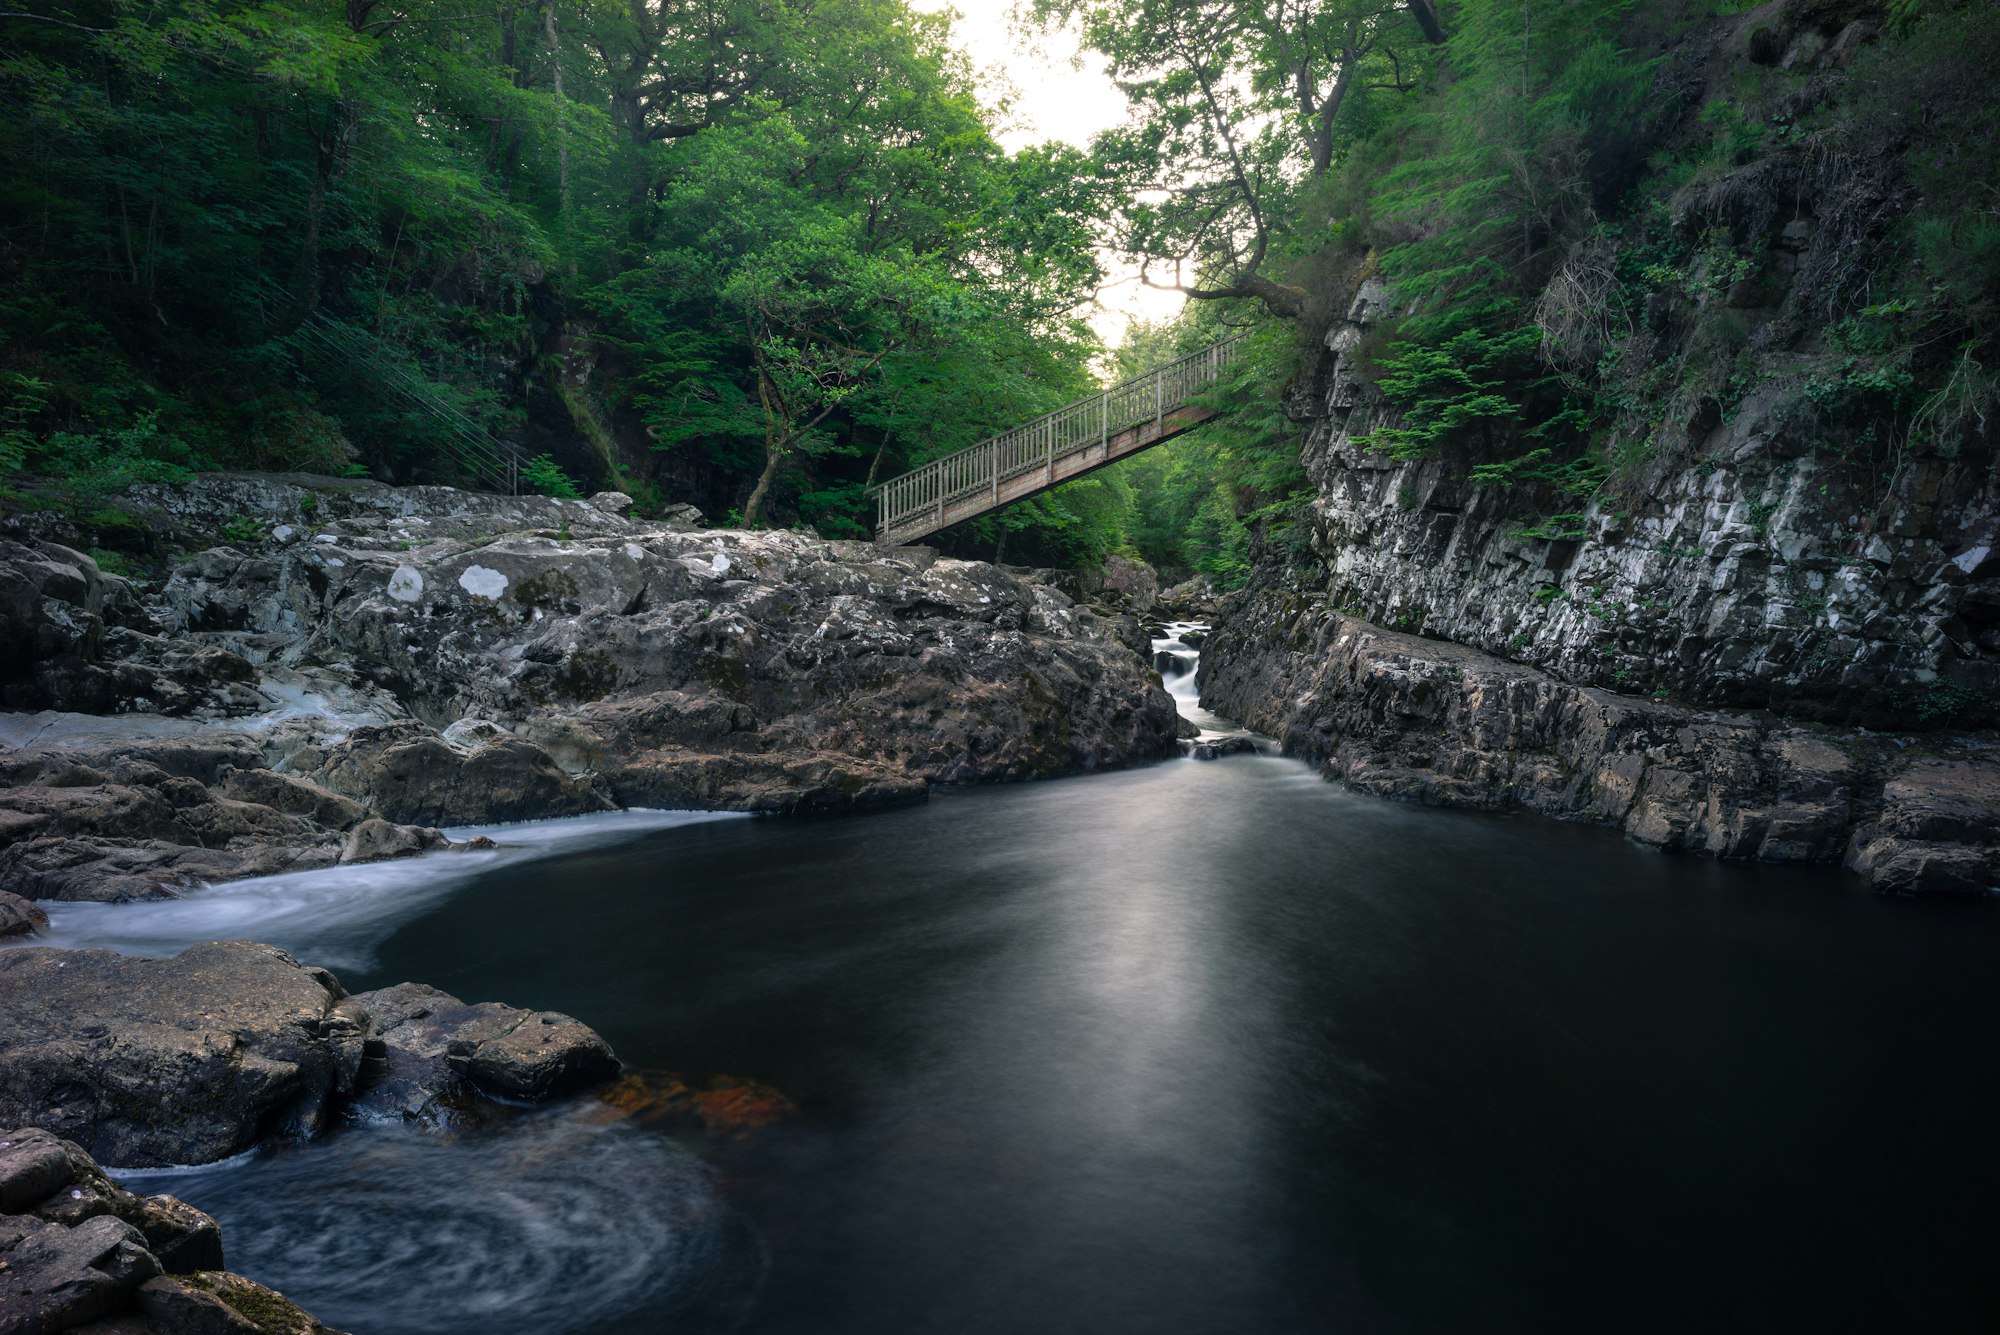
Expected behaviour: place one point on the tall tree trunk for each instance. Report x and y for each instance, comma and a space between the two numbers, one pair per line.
776, 445
562, 119
1322, 131
1426, 14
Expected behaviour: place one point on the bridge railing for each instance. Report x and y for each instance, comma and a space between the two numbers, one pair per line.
925, 492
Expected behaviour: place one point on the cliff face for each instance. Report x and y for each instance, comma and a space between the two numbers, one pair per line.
1754, 572
1779, 549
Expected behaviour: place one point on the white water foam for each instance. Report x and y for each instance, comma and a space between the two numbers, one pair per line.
336, 916
1181, 685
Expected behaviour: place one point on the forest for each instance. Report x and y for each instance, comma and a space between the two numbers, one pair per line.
757, 255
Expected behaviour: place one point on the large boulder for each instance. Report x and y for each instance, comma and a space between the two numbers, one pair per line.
1937, 833
437, 1050
18, 917
412, 774
150, 1062
53, 605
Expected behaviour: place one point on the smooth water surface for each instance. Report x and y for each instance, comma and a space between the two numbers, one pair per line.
1203, 1047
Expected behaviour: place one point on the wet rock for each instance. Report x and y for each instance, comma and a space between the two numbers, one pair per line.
218, 1298
378, 840
1429, 721
106, 870
183, 1060
54, 1278
146, 817
585, 660
79, 1252
53, 608
20, 918
1937, 833
1192, 600
294, 796
437, 1049
58, 1182
171, 1305
413, 775
1222, 746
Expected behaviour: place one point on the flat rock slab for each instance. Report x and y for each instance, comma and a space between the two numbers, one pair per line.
185, 1060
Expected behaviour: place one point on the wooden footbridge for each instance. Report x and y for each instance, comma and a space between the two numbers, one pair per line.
1073, 440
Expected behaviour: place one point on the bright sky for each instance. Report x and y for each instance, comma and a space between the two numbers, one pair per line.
1054, 97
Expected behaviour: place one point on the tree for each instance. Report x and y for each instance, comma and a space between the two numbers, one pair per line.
1237, 105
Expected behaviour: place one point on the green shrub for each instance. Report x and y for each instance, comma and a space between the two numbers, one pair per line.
543, 475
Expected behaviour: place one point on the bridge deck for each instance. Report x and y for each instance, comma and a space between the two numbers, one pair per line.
1075, 439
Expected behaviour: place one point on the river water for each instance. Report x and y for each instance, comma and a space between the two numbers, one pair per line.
1199, 1047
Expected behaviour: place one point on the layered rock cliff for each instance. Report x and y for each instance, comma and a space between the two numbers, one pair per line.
1699, 624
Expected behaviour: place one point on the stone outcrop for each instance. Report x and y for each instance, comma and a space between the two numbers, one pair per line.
351, 653
79, 1252
1429, 721
111, 817
20, 918
436, 1050
1749, 573
1680, 622
1771, 535
184, 1060
149, 1062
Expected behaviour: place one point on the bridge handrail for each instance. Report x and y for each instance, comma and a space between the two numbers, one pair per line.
1054, 435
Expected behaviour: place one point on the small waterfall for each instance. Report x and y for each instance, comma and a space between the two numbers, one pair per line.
1176, 657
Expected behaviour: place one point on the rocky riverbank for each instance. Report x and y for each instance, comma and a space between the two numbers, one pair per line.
1430, 721
190, 1059
79, 1252
341, 667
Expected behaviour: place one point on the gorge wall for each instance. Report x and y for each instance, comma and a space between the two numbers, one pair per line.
1707, 648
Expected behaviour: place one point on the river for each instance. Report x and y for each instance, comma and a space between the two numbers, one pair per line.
1198, 1047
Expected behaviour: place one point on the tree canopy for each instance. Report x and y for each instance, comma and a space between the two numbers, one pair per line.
747, 252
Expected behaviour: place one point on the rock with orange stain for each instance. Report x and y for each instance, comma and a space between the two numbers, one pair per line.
718, 1105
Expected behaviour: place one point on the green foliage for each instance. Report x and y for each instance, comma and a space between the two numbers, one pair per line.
1450, 390
776, 243
544, 476
1202, 503
244, 529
